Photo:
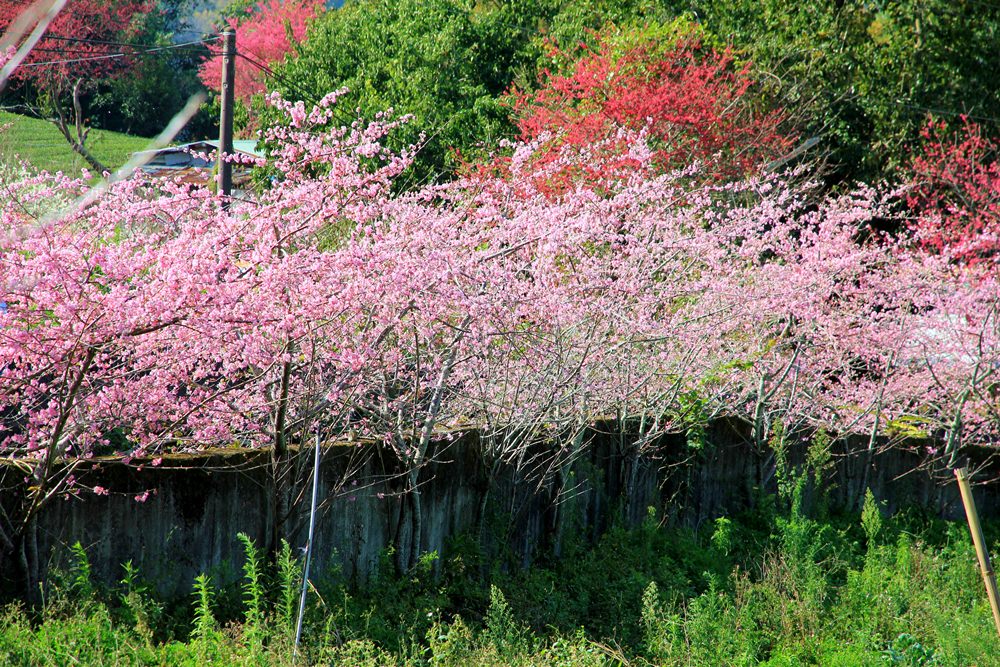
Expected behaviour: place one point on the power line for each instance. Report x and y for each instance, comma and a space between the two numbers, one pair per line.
946, 112
111, 56
270, 72
86, 40
66, 51
71, 51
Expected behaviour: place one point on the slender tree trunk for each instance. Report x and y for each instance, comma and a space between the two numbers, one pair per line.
396, 529
418, 517
34, 565
557, 509
631, 478
481, 517
26, 555
76, 137
280, 469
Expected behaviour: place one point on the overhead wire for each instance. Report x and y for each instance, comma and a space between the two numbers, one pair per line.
111, 56
947, 112
270, 72
145, 49
105, 42
142, 49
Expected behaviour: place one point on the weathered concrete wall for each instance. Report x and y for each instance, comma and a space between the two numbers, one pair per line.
197, 504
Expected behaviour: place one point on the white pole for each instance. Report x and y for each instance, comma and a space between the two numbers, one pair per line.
309, 543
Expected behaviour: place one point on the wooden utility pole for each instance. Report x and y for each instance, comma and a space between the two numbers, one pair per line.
225, 168
989, 578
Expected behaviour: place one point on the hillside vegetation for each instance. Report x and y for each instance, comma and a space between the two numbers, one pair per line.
39, 144
528, 218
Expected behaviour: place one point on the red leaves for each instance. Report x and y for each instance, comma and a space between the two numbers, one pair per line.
99, 21
692, 101
264, 36
956, 193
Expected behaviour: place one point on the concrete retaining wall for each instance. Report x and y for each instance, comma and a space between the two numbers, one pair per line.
197, 504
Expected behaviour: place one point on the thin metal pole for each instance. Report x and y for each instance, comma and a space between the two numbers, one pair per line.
225, 168
989, 578
309, 544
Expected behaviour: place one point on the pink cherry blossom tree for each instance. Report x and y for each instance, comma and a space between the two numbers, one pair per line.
152, 319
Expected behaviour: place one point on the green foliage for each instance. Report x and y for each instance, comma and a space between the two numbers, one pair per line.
289, 575
451, 644
871, 521
502, 631
143, 104
253, 592
139, 607
858, 590
204, 620
447, 62
82, 587
906, 650
861, 74
572, 25
159, 85
723, 536
661, 630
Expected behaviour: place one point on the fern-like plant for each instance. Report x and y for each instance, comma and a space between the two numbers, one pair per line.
80, 581
253, 592
289, 573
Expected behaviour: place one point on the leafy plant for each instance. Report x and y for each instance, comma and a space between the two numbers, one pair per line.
501, 630
906, 650
254, 594
139, 604
289, 580
204, 619
81, 583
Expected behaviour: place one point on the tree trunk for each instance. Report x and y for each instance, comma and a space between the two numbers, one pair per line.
26, 555
418, 517
76, 137
280, 468
279, 499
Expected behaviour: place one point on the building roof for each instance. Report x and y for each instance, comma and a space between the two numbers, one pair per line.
185, 163
248, 146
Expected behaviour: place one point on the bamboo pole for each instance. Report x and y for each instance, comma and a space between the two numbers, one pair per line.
989, 578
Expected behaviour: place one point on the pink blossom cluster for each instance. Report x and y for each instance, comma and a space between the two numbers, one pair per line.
154, 319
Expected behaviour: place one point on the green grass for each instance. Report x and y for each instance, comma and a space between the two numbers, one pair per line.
40, 144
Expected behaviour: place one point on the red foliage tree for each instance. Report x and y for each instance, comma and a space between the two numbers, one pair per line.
76, 44
693, 102
266, 35
956, 193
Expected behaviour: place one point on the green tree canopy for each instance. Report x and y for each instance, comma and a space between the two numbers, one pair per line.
447, 62
864, 74
861, 74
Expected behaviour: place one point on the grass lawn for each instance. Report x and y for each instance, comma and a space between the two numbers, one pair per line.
41, 145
